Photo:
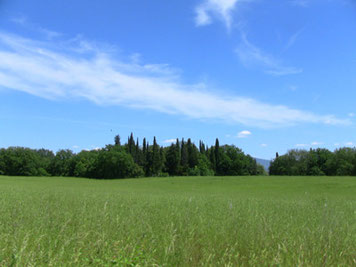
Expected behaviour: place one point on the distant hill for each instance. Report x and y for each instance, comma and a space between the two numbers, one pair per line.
264, 162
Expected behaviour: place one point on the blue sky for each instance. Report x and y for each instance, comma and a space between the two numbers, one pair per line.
266, 76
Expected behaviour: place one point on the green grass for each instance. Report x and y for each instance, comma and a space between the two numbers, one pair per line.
190, 221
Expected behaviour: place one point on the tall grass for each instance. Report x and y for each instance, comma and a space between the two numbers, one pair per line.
214, 221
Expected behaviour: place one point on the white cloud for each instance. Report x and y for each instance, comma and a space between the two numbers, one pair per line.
301, 145
170, 141
251, 56
221, 9
75, 147
349, 144
60, 71
264, 145
315, 143
243, 134
351, 114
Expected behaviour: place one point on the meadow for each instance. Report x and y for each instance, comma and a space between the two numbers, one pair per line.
178, 221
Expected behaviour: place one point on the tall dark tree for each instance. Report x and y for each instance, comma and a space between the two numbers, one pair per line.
156, 158
131, 145
117, 140
148, 160
173, 159
144, 148
217, 156
192, 154
201, 147
184, 158
212, 158
138, 155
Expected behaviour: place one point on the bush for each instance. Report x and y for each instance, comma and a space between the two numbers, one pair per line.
194, 171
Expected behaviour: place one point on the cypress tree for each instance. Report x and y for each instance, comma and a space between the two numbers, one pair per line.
117, 140
192, 154
148, 166
217, 155
138, 153
201, 147
131, 145
178, 155
184, 157
156, 158
144, 146
162, 157
212, 158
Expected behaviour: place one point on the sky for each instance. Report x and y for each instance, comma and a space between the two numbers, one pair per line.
266, 76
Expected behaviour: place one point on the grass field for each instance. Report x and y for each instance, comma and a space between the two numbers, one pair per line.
190, 221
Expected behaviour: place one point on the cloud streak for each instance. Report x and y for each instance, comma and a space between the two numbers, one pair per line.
207, 11
50, 70
251, 56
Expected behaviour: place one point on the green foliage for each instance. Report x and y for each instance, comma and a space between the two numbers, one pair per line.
115, 163
130, 160
173, 159
157, 159
204, 166
62, 164
318, 162
194, 171
24, 161
85, 162
184, 158
163, 174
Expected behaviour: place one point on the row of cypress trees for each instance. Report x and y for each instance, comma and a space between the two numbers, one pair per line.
131, 159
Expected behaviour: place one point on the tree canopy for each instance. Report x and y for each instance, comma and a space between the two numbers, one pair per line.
341, 162
131, 160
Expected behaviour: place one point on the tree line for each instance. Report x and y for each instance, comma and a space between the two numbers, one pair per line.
341, 162
132, 159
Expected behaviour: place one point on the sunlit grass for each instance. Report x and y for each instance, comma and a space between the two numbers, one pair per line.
190, 221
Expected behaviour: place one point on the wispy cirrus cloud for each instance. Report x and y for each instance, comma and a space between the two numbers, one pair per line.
209, 10
252, 56
23, 21
50, 70
292, 39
